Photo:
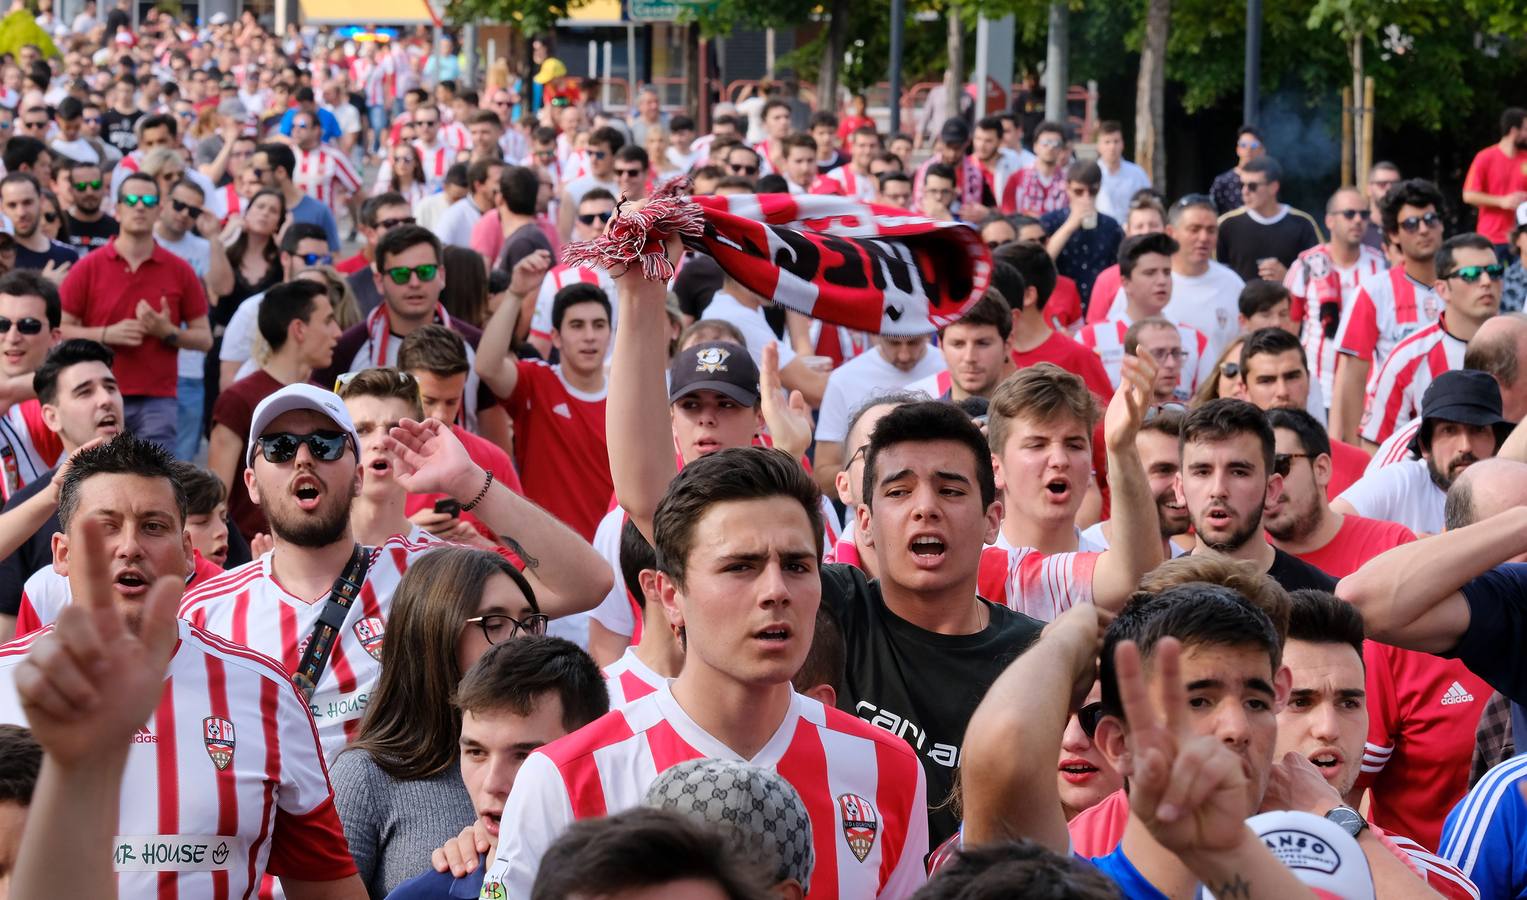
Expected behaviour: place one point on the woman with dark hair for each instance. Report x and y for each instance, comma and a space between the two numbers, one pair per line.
407, 173
398, 787
256, 260
466, 286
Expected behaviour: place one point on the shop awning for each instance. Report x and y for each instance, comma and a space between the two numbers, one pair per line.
382, 12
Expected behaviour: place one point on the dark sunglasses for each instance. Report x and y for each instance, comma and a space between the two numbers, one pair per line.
1350, 214
546, 155
598, 154
181, 207
1230, 370
426, 121
1471, 274
1195, 200
588, 218
629, 173
1282, 462
88, 185
742, 170
498, 628
147, 201
1089, 716
282, 446
27, 326
1414, 223
1253, 185
316, 259
390, 224
401, 274
50, 217
92, 120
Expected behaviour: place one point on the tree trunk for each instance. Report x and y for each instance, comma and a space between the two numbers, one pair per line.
1150, 94
832, 56
954, 75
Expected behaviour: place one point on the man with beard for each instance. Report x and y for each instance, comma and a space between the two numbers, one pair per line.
89, 225
1156, 443
21, 199
304, 472
1495, 182
1229, 471
975, 349
1461, 423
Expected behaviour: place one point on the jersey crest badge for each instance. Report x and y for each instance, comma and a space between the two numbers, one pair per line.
370, 631
712, 359
860, 824
218, 734
492, 890
1318, 265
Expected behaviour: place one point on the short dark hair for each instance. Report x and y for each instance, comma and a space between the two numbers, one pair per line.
486, 117
279, 156
823, 118
643, 847
1312, 436
479, 170
941, 170
597, 193
1225, 417
991, 309
772, 183
989, 123
634, 153
402, 238
297, 232
1086, 172
1319, 617
573, 294
287, 302
772, 103
681, 122
1019, 868
1258, 296
1196, 613
519, 186
30, 283
1250, 129
827, 656
1511, 117
801, 140
204, 490
457, 174
1034, 264
636, 554
1473, 240
1051, 128
435, 349
1137, 245
927, 421
20, 763
1271, 341
1110, 126
1416, 192
371, 209
63, 355
70, 108
513, 676
22, 150
740, 473
1265, 165
609, 136
143, 177
1008, 283
124, 454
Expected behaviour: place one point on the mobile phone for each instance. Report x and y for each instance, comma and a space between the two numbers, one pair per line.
448, 506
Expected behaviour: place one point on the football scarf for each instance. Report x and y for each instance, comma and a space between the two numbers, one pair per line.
869, 268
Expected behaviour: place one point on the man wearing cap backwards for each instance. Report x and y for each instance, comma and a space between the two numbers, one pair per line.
304, 471
973, 198
1461, 423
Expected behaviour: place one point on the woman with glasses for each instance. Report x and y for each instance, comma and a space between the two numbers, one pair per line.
398, 787
1224, 381
53, 224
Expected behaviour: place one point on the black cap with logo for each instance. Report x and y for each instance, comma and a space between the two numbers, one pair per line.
720, 366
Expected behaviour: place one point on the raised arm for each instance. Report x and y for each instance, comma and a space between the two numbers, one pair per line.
1410, 596
496, 363
1136, 547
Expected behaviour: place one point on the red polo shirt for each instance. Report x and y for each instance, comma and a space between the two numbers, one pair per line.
102, 289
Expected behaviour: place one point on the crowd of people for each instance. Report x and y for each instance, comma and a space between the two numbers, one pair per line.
1185, 559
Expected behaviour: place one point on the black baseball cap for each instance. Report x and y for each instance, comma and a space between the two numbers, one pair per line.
954, 131
1466, 396
720, 366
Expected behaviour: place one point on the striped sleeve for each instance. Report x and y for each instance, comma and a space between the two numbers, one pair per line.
1389, 393
1383, 713
1359, 332
1441, 875
345, 173
537, 812
1483, 835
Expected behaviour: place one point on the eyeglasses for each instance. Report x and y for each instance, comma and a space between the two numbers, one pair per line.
400, 274
1414, 223
629, 173
50, 217
88, 185
181, 207
1089, 716
546, 155
41, 124
147, 201
1230, 370
1194, 200
1162, 354
1350, 214
92, 120
1048, 144
282, 446
317, 259
598, 154
26, 326
1249, 145
1471, 274
389, 224
588, 218
742, 170
498, 628
1283, 461
1253, 185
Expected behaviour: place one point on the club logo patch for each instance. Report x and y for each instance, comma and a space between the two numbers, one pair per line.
370, 631
712, 359
860, 824
217, 732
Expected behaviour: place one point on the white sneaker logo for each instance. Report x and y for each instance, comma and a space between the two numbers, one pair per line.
562, 410
1456, 694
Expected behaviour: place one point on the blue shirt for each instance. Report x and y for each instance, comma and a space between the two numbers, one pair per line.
1132, 885
311, 211
1485, 835
1491, 645
326, 123
434, 885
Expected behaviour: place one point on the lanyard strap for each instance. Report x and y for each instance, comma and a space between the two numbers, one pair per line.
326, 630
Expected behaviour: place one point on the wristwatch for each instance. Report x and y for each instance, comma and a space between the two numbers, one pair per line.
1347, 819
173, 339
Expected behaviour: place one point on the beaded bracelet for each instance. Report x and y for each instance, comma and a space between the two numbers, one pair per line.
487, 483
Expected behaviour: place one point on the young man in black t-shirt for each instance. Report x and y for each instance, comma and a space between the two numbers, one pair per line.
1264, 237
119, 124
89, 225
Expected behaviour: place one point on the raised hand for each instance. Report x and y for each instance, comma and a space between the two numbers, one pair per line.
55, 272
788, 418
1126, 411
529, 272
94, 679
431, 460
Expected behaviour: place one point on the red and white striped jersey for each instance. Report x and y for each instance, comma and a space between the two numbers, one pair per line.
560, 277
1041, 585
456, 136
224, 783
1395, 448
232, 199
249, 607
1106, 339
1395, 390
437, 161
629, 679
1321, 295
1388, 307
863, 789
325, 173
28, 448
1032, 194
850, 184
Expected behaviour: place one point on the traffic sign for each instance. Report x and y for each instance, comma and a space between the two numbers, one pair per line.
653, 10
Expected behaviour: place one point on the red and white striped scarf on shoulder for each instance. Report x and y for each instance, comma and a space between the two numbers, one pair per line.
866, 267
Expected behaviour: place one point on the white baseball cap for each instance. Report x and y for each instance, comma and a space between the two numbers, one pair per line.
1318, 852
294, 397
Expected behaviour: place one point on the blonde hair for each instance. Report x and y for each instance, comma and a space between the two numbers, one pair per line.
1041, 393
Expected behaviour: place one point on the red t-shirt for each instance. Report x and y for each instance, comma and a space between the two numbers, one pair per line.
1064, 308
559, 444
1358, 540
351, 265
1347, 465
102, 289
1104, 288
1493, 172
1071, 356
234, 410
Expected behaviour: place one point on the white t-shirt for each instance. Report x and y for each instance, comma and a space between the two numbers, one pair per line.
239, 336
1208, 302
1403, 492
751, 322
856, 381
579, 186
197, 253
1118, 187
429, 210
454, 227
